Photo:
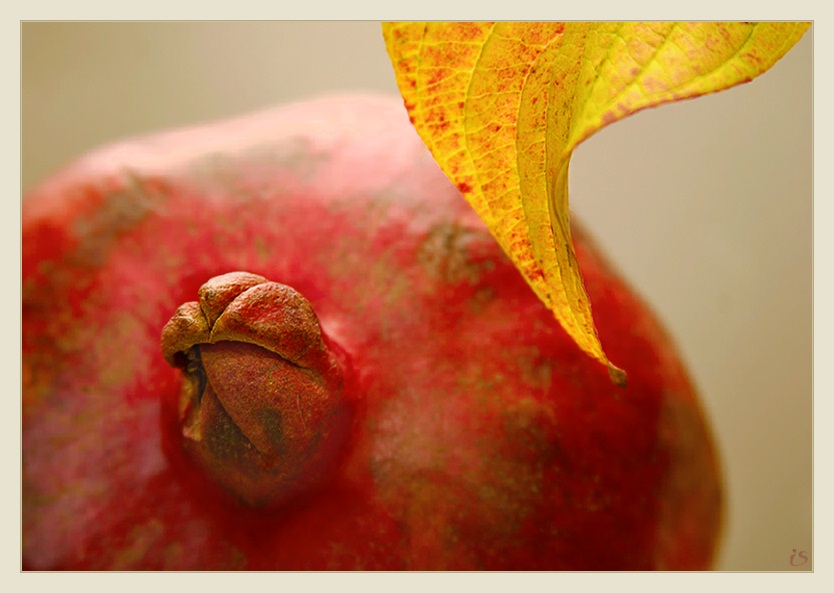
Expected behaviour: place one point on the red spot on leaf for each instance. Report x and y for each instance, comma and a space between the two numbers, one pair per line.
464, 187
468, 31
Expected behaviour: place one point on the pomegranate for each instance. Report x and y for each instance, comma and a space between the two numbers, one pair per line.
286, 342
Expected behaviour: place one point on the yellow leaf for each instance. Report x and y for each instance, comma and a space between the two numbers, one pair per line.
503, 105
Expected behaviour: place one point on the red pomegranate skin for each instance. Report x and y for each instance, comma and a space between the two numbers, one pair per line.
480, 436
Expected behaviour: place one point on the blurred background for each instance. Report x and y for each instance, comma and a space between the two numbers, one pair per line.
705, 205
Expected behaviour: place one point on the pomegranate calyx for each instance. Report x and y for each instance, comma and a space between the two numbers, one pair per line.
262, 410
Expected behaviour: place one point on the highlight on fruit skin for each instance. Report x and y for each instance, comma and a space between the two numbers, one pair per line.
460, 427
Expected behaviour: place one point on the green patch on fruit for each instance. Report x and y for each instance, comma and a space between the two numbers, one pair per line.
118, 369
119, 213
536, 370
272, 423
226, 443
446, 254
139, 540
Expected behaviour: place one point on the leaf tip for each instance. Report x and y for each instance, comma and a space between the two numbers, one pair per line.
618, 376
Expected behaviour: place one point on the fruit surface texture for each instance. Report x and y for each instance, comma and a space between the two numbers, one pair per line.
286, 342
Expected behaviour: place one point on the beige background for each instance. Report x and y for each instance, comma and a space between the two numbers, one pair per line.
706, 205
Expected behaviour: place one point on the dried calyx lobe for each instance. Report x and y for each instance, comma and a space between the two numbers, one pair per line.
262, 410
